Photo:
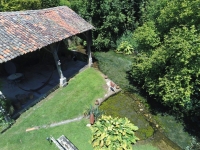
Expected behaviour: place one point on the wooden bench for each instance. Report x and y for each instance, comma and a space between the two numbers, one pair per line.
63, 143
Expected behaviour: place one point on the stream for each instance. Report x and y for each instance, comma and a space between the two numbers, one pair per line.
150, 131
157, 130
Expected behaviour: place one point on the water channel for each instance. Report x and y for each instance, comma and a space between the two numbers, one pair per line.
159, 129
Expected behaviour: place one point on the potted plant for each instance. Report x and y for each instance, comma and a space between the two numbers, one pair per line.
94, 113
92, 119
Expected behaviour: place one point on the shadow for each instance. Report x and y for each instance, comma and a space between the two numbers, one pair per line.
190, 122
118, 68
155, 105
40, 79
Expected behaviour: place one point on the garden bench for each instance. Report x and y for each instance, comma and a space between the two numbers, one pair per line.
63, 143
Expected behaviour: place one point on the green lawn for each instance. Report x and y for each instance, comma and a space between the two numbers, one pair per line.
65, 103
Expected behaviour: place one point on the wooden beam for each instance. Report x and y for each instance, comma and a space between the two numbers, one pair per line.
89, 44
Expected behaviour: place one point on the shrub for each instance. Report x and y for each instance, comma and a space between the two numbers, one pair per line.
16, 5
113, 133
125, 48
146, 37
171, 73
111, 18
49, 3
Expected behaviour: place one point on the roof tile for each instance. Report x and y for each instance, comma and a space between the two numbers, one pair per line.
27, 31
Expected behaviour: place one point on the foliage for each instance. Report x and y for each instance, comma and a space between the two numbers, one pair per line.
146, 37
5, 110
125, 47
62, 104
171, 73
16, 5
127, 36
168, 60
94, 110
50, 3
73, 42
2, 109
116, 66
111, 18
65, 3
169, 14
113, 133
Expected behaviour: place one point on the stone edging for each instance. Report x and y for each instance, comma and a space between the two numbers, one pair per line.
112, 89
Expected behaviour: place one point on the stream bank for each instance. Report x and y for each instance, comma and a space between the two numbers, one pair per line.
159, 129
150, 133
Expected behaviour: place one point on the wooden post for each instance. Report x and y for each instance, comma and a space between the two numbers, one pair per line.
89, 43
63, 80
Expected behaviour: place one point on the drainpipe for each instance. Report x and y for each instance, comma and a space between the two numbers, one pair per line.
63, 80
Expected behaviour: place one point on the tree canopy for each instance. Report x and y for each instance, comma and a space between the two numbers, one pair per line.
165, 34
111, 19
16, 5
169, 44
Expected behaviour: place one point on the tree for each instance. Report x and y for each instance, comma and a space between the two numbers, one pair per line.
168, 14
49, 3
111, 18
168, 68
171, 72
16, 5
146, 37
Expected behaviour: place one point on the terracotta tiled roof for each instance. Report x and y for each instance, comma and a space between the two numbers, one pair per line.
26, 31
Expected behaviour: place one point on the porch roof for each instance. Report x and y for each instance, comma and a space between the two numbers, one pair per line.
26, 31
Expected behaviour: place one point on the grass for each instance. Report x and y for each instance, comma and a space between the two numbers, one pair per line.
65, 103
116, 67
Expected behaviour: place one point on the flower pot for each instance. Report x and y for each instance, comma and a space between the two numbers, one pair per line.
92, 119
112, 84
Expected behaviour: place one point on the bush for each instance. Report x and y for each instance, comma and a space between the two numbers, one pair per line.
125, 48
65, 3
16, 5
171, 72
146, 37
49, 3
113, 133
111, 18
127, 36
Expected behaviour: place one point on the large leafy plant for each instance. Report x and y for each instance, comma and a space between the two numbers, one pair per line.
113, 133
125, 48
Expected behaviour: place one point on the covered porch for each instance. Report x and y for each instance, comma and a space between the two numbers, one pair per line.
26, 32
39, 80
